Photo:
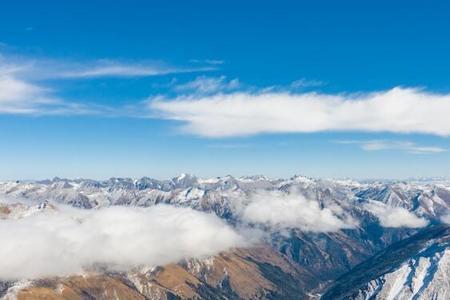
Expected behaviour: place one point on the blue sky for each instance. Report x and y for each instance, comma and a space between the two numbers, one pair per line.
131, 88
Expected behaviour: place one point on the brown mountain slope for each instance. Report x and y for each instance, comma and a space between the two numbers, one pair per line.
256, 273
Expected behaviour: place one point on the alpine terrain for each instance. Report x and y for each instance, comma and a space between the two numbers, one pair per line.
298, 238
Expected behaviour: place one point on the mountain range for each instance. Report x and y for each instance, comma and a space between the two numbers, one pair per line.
307, 238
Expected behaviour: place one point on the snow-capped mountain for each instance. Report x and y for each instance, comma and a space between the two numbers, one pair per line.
415, 268
325, 227
428, 199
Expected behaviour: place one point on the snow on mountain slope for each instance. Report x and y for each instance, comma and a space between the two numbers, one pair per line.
415, 268
422, 277
326, 252
21, 210
256, 273
430, 200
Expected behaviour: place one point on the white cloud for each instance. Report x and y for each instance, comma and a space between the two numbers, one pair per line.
43, 68
21, 97
205, 85
395, 217
303, 83
68, 241
398, 110
406, 146
23, 90
23, 83
446, 219
12, 89
113, 70
18, 96
107, 68
208, 61
282, 211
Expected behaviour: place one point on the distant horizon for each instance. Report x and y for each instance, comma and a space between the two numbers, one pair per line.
409, 179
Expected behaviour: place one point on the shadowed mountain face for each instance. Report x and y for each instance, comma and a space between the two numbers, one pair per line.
413, 268
315, 238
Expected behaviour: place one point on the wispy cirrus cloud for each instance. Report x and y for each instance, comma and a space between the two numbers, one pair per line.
207, 85
110, 68
406, 146
399, 110
304, 83
24, 88
44, 68
208, 61
21, 97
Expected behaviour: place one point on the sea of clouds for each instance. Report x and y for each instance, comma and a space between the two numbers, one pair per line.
68, 240
65, 240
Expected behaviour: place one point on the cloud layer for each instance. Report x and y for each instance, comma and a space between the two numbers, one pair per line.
398, 110
395, 217
282, 211
406, 146
65, 242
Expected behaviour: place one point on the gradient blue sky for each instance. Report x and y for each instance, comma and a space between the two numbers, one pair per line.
102, 63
